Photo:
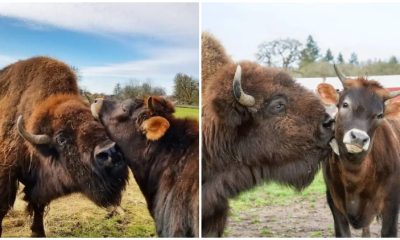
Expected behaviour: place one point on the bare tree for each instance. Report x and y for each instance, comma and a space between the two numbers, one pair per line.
186, 89
285, 51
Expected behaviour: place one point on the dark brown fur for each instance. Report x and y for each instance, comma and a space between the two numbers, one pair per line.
167, 170
363, 187
243, 147
44, 91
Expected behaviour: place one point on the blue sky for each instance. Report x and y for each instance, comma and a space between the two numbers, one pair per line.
368, 29
107, 42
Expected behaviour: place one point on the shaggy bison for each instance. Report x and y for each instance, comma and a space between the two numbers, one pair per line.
55, 147
363, 177
162, 152
258, 125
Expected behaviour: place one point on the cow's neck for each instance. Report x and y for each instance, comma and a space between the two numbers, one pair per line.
149, 160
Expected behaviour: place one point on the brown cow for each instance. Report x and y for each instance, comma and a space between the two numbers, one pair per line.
163, 154
363, 177
258, 125
61, 149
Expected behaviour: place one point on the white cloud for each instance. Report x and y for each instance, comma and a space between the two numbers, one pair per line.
152, 19
160, 68
6, 60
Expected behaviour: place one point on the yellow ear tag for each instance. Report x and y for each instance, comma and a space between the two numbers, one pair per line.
155, 127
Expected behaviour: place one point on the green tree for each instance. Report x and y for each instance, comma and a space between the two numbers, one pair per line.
284, 52
393, 60
340, 59
353, 59
117, 89
310, 53
328, 56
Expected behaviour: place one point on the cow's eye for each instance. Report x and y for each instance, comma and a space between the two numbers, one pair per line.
379, 116
345, 105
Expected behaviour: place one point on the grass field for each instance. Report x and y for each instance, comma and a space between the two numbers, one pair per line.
181, 112
272, 194
75, 216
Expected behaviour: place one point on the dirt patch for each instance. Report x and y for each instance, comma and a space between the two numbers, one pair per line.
300, 218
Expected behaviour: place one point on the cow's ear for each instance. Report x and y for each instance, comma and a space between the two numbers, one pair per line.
392, 109
327, 93
155, 127
160, 105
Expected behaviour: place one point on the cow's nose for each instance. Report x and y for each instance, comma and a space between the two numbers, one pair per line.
358, 138
108, 155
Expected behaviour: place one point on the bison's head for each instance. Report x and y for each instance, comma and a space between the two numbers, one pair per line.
258, 116
134, 122
359, 110
75, 150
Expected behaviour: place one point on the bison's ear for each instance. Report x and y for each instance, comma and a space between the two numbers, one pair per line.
160, 105
155, 127
392, 109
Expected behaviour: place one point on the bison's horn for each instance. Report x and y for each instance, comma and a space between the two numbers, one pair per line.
340, 75
243, 98
32, 138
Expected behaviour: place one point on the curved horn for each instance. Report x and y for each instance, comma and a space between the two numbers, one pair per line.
32, 138
243, 98
394, 94
340, 75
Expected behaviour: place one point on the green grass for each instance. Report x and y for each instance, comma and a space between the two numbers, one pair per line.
76, 216
273, 194
181, 112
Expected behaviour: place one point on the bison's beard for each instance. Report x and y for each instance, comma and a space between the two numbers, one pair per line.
299, 174
104, 186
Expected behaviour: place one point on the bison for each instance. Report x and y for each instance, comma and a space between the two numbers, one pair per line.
258, 125
56, 147
162, 152
363, 177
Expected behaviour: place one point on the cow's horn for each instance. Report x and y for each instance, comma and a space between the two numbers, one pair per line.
394, 94
32, 138
340, 75
243, 98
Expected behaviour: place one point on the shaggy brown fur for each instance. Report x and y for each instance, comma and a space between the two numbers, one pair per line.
365, 185
246, 146
213, 57
166, 169
44, 91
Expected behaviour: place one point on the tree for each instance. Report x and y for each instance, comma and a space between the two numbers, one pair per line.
328, 56
117, 89
310, 53
393, 60
77, 73
353, 59
135, 90
186, 89
340, 59
285, 51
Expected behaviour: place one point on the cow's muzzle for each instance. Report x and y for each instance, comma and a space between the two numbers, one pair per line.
356, 141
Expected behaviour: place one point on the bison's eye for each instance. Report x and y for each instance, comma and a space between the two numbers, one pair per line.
61, 140
277, 105
345, 105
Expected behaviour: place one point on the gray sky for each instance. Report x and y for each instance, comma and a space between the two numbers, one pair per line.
369, 29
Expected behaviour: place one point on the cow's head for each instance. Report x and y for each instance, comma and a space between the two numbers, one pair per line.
134, 122
359, 109
267, 119
74, 150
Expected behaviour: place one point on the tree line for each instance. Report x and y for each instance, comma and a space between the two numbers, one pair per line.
185, 91
308, 60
